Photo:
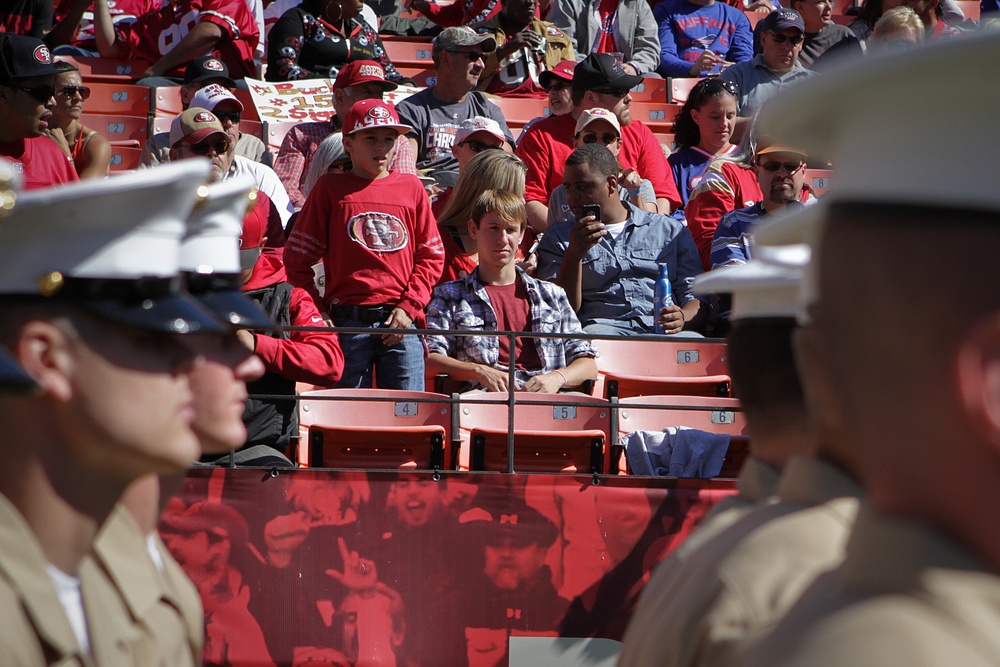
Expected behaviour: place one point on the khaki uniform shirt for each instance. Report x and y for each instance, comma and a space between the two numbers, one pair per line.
162, 608
740, 582
34, 630
905, 595
559, 47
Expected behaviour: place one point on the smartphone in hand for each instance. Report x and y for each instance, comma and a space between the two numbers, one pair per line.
592, 209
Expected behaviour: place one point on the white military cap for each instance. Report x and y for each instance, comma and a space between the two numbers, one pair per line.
110, 246
766, 286
909, 128
210, 252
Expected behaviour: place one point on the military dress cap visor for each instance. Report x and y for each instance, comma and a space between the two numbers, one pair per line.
109, 246
222, 296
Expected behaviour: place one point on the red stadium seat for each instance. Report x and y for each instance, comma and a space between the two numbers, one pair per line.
518, 111
424, 77
971, 8
695, 367
249, 108
819, 180
755, 17
118, 98
547, 437
390, 430
652, 89
656, 114
106, 70
680, 89
119, 130
276, 131
167, 101
256, 128
409, 53
665, 138
124, 158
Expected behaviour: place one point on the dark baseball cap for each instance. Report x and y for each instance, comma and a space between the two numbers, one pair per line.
602, 70
23, 57
782, 19
208, 67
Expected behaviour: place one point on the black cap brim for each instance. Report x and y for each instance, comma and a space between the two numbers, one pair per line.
12, 377
177, 313
235, 309
227, 82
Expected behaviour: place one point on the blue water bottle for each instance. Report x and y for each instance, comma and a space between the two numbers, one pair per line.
661, 297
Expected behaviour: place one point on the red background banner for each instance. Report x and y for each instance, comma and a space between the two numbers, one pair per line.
355, 569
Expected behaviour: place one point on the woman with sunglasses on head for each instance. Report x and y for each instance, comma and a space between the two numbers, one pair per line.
702, 132
602, 126
89, 151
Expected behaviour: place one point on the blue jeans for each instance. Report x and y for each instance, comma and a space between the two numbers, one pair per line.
399, 366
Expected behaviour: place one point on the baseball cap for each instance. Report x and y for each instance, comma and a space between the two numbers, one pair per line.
766, 286
591, 115
782, 19
453, 37
522, 525
562, 70
110, 246
357, 72
210, 252
22, 57
252, 234
477, 124
372, 114
209, 96
768, 144
207, 67
602, 70
194, 125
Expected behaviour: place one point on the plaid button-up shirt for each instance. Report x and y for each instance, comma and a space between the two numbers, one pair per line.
298, 146
464, 304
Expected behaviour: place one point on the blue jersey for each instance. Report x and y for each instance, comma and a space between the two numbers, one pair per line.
687, 29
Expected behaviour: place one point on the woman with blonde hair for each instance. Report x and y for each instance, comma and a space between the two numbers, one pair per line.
87, 149
490, 170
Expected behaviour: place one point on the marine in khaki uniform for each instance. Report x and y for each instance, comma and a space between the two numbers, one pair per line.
129, 563
907, 312
707, 607
91, 309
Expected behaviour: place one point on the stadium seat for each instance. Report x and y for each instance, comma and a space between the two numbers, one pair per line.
652, 89
715, 415
119, 130
423, 77
680, 89
665, 138
686, 366
167, 101
276, 131
124, 158
118, 98
819, 180
388, 430
550, 434
256, 128
409, 53
754, 17
656, 114
519, 111
971, 8
106, 70
249, 108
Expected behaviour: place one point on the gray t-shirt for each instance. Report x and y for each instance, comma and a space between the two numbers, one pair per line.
435, 124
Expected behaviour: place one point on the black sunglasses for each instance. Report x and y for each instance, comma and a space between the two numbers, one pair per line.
478, 146
607, 138
231, 116
42, 93
781, 39
617, 92
790, 167
70, 91
555, 86
714, 86
203, 147
473, 56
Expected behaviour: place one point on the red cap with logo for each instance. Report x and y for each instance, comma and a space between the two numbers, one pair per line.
372, 115
357, 72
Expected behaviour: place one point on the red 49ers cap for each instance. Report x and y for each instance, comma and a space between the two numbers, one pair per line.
357, 72
371, 115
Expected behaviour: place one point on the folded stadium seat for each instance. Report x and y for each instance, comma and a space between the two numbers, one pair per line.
680, 89
389, 429
652, 89
167, 102
753, 17
659, 116
254, 127
971, 9
125, 158
684, 366
106, 70
665, 138
276, 131
119, 130
819, 180
551, 434
411, 52
519, 111
249, 108
123, 99
715, 415
423, 77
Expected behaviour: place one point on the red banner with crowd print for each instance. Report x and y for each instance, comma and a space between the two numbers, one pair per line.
356, 569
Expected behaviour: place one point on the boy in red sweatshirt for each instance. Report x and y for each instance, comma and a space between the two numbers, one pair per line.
375, 233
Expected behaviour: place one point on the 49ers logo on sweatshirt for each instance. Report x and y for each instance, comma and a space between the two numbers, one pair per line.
379, 232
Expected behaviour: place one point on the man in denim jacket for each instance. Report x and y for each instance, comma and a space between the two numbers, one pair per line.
500, 296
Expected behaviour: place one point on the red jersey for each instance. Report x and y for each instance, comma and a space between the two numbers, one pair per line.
725, 186
120, 10
154, 35
40, 162
547, 144
377, 239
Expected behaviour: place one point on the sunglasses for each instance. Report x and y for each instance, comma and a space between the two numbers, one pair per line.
616, 92
715, 86
478, 146
70, 91
473, 56
231, 116
790, 167
556, 86
203, 147
607, 138
781, 39
42, 93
